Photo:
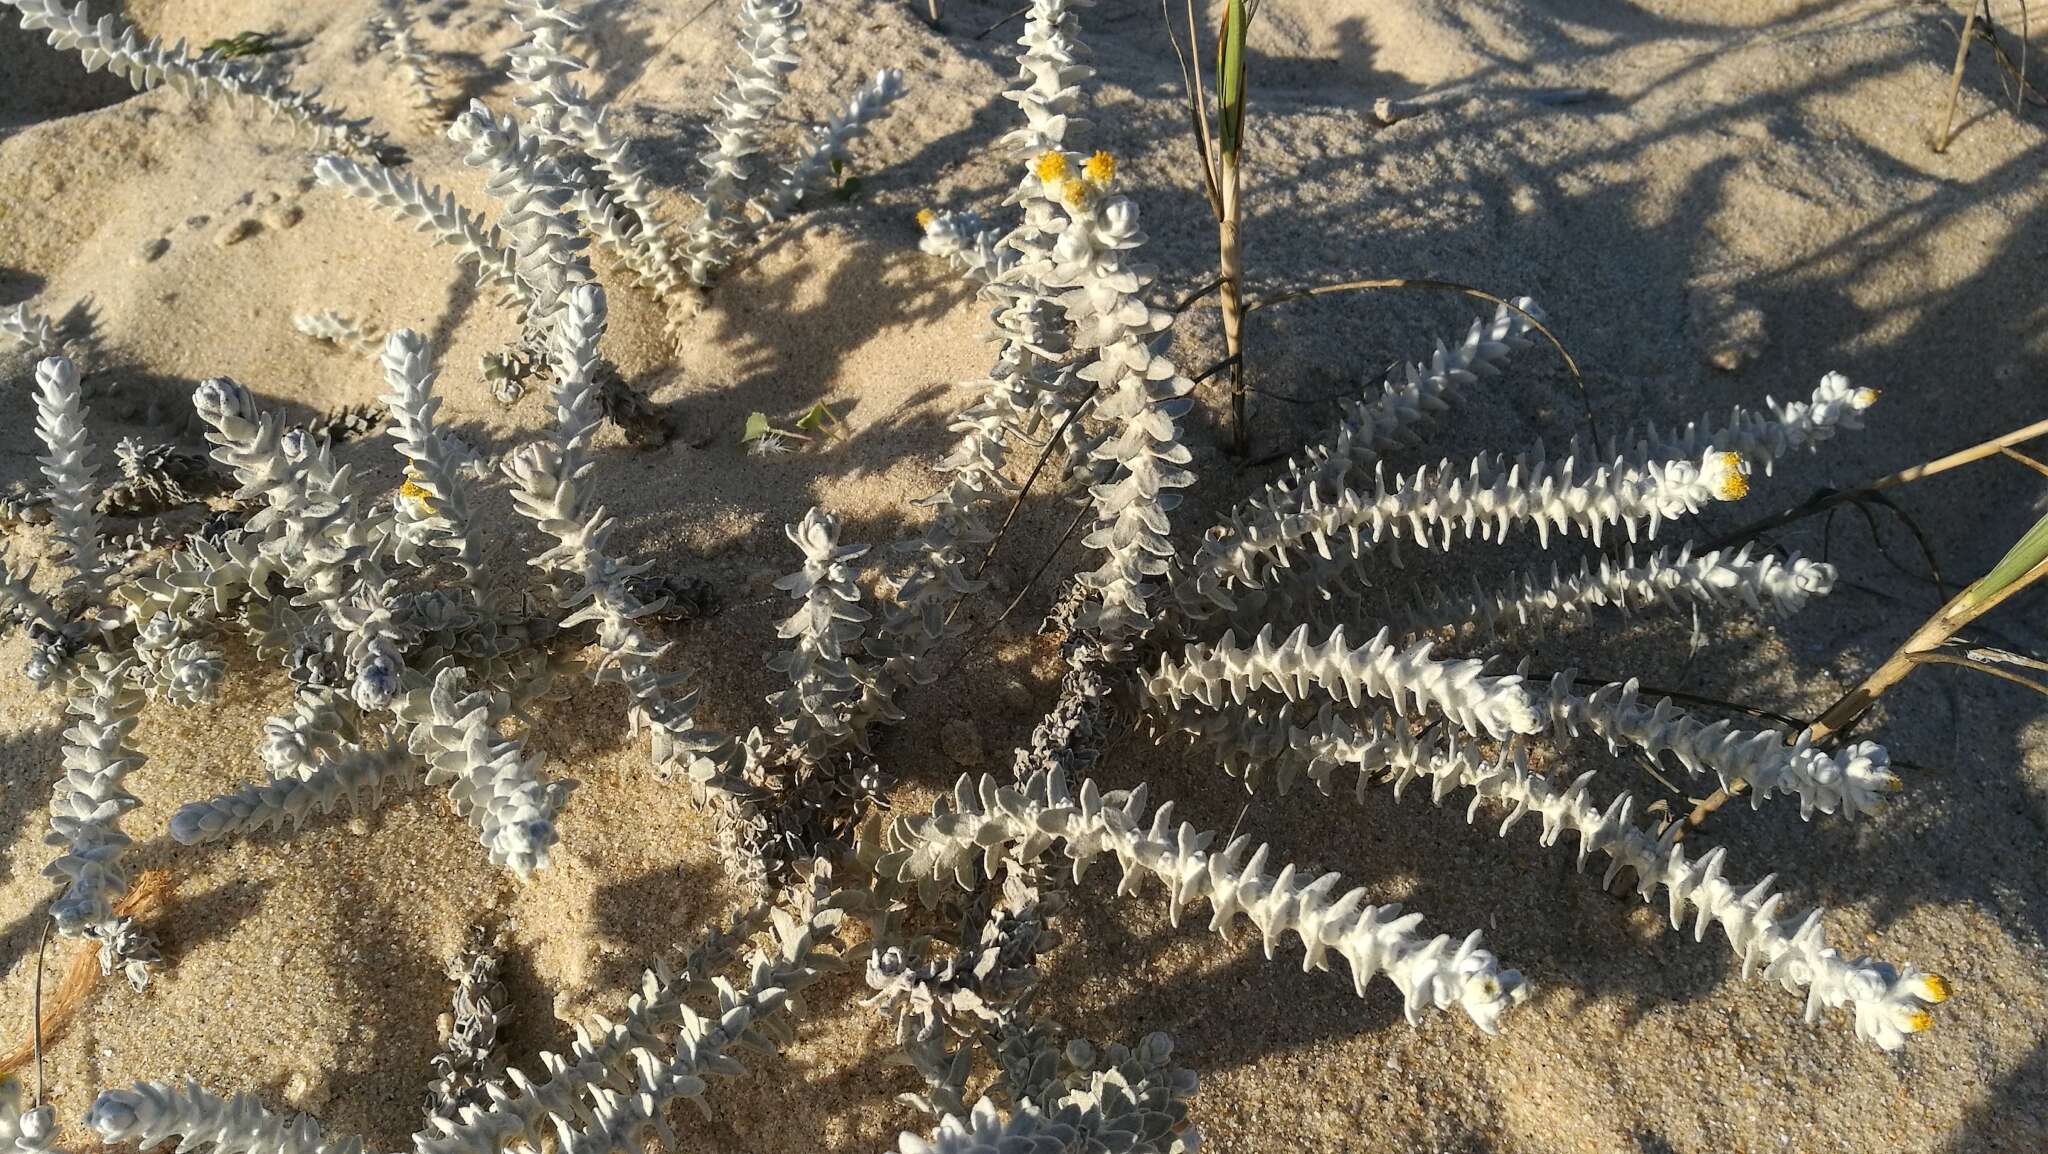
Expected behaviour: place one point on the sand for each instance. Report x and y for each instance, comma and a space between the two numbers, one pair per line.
1714, 201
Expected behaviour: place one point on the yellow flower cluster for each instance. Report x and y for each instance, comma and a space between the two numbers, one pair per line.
1097, 173
1734, 483
412, 490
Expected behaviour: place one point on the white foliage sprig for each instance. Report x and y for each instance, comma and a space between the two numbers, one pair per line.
1049, 78
21, 603
1142, 396
1123, 1099
769, 32
150, 1114
1887, 1003
1478, 703
434, 467
492, 780
610, 1093
1768, 762
551, 487
1766, 436
330, 326
115, 46
1636, 492
1667, 579
432, 210
174, 665
831, 143
22, 1131
963, 240
203, 577
32, 331
621, 213
1390, 415
86, 809
536, 199
550, 482
914, 613
1386, 417
311, 527
356, 778
1029, 387
1032, 385
983, 824
603, 1050
822, 663
67, 466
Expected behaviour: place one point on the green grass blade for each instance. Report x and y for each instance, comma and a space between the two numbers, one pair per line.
1230, 78
2019, 561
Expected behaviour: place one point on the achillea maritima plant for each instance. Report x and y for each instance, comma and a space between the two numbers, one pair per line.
412, 658
113, 45
565, 178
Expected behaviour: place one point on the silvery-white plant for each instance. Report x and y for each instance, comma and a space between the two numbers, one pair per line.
1296, 699
31, 331
332, 327
563, 176
414, 680
30, 1131
113, 45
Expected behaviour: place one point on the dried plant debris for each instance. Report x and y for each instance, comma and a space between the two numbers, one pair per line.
471, 1065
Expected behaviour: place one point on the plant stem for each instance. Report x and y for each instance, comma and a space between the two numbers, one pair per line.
1231, 260
1828, 499
1917, 650
1955, 80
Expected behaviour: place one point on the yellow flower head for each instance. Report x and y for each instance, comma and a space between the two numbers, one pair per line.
1864, 398
1100, 169
1051, 166
1728, 474
1932, 988
412, 490
1075, 194
925, 217
1917, 1021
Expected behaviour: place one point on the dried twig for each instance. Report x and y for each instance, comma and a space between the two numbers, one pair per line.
1922, 648
1955, 80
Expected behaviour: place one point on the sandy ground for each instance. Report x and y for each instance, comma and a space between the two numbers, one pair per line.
1746, 184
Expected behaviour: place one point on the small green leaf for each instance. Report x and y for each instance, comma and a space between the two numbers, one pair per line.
2028, 552
241, 44
846, 189
820, 419
757, 428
